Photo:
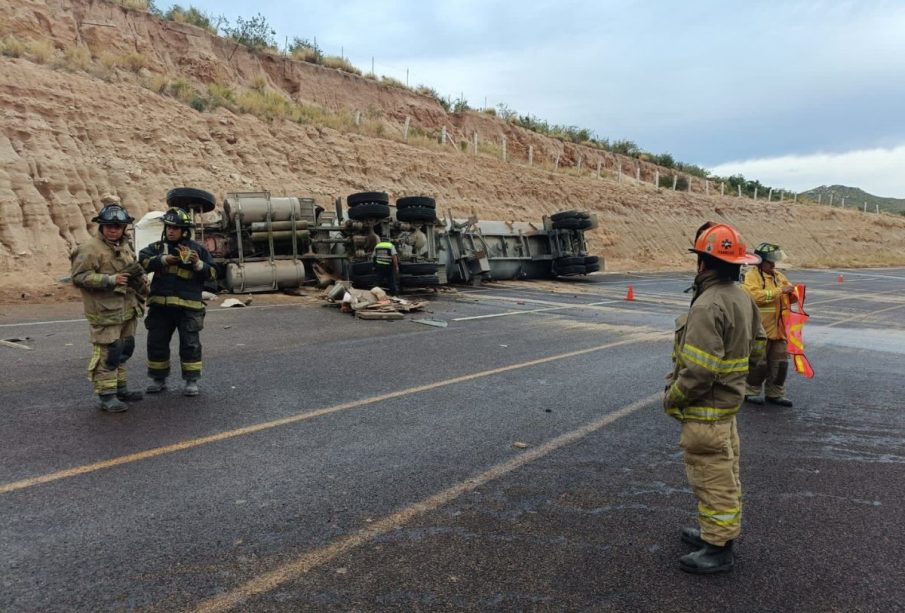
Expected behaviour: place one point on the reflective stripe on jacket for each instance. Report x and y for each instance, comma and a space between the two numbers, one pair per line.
178, 285
384, 252
715, 343
95, 265
766, 291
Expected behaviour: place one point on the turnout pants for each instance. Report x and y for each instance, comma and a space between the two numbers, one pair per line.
161, 322
771, 370
711, 462
112, 347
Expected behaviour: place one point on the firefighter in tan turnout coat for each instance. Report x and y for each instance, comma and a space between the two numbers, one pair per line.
113, 288
773, 294
715, 342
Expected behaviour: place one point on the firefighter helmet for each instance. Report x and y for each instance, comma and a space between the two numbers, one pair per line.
113, 215
177, 217
723, 242
769, 252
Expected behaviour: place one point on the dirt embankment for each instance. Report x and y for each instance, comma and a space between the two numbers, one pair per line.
67, 136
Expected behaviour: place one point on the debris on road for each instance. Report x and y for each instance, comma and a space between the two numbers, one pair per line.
232, 302
437, 323
17, 342
369, 304
520, 445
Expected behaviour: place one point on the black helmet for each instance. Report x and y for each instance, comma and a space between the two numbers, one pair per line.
177, 217
769, 252
113, 214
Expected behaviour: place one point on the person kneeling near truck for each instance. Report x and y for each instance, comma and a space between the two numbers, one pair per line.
386, 264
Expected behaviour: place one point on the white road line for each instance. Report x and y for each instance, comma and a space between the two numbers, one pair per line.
547, 310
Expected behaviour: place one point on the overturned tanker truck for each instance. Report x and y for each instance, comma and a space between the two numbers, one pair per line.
262, 242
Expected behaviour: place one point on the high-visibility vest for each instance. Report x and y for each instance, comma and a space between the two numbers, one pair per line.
383, 253
794, 320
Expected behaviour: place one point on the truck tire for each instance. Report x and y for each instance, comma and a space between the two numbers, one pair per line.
418, 268
416, 213
416, 201
570, 270
367, 197
569, 223
591, 259
191, 199
569, 215
576, 260
419, 280
369, 210
357, 269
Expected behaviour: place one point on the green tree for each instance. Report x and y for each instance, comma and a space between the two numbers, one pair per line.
255, 33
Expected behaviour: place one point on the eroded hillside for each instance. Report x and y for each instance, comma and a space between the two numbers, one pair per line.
70, 133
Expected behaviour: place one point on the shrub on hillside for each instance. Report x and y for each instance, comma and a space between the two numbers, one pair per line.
193, 16
74, 58
255, 33
340, 63
305, 51
392, 82
12, 47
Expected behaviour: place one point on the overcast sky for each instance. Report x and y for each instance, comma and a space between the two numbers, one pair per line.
794, 93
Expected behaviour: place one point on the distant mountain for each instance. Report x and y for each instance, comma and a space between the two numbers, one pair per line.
854, 197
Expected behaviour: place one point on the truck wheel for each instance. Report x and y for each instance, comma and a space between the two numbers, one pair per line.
366, 197
569, 215
191, 199
418, 268
418, 213
416, 201
369, 210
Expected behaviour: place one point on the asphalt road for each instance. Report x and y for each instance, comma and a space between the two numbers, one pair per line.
517, 459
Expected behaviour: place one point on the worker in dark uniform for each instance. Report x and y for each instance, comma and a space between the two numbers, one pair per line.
386, 264
181, 267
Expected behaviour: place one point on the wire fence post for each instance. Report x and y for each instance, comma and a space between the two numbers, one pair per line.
878, 208
475, 139
579, 163
770, 195
819, 198
443, 135
675, 182
831, 198
638, 173
722, 189
504, 148
755, 193
530, 155
598, 169
657, 179
739, 190
405, 129
556, 165
357, 118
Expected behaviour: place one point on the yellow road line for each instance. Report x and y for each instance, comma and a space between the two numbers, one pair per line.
291, 419
318, 557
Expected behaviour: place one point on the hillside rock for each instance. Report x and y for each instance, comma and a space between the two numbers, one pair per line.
68, 135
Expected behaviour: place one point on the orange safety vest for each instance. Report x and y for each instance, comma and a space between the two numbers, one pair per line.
794, 320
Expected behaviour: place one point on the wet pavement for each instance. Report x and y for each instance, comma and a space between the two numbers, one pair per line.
515, 460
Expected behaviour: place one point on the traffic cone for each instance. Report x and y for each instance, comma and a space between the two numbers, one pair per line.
630, 295
839, 278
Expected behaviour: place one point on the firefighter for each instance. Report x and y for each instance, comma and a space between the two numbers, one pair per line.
386, 264
773, 293
181, 267
714, 342
113, 289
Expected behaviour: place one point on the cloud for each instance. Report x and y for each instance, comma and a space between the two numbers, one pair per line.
876, 171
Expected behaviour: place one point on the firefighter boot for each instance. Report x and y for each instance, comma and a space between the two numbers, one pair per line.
127, 395
191, 388
754, 399
780, 401
692, 536
110, 403
709, 559
156, 386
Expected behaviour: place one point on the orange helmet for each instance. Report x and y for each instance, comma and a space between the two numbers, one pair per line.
723, 242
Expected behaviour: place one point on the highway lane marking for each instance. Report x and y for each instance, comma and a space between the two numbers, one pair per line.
863, 297
318, 557
547, 310
863, 315
291, 419
208, 311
